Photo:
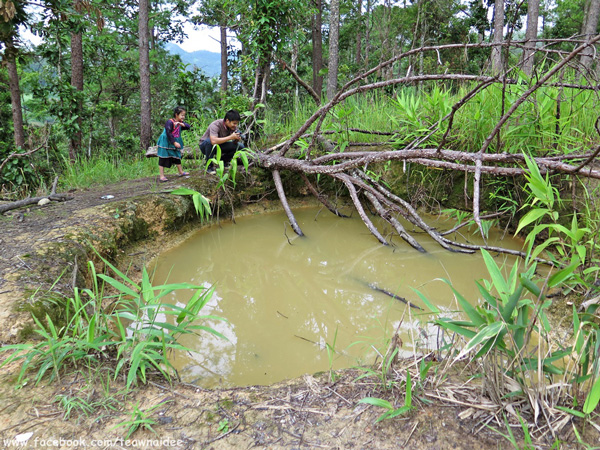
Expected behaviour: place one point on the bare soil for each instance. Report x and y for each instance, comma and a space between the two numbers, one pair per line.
308, 412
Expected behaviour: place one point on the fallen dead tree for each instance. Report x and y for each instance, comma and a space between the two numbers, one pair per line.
325, 157
35, 200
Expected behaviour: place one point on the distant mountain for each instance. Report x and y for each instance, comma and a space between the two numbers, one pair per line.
209, 62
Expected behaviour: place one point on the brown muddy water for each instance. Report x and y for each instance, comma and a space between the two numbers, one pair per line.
302, 305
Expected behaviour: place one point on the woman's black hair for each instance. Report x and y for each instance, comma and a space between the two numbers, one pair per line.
177, 110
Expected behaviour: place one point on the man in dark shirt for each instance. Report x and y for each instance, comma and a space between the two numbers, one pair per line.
224, 133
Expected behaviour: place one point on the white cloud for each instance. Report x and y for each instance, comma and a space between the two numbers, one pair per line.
202, 38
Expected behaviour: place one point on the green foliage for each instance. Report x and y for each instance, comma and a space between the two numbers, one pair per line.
6, 131
201, 203
103, 170
224, 175
502, 322
87, 402
567, 245
138, 419
134, 331
391, 410
510, 321
510, 436
464, 218
194, 90
18, 175
331, 354
223, 426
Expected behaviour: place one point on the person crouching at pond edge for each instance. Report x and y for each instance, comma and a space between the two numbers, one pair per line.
170, 144
224, 133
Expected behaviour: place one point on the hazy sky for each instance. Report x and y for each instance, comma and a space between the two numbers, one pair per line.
204, 38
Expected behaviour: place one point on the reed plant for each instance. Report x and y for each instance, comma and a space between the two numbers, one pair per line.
506, 334
508, 331
116, 321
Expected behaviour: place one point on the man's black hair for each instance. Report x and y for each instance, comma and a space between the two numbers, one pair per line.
232, 115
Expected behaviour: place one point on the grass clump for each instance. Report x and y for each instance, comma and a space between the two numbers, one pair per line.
100, 171
129, 329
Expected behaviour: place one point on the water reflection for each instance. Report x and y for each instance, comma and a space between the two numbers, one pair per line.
285, 298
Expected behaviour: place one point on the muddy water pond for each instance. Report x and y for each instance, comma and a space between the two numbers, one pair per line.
296, 305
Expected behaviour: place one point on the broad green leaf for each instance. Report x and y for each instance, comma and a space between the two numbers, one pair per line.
593, 398
563, 274
471, 312
530, 286
511, 303
571, 411
124, 289
183, 191
450, 325
377, 402
491, 331
532, 216
408, 394
394, 413
429, 305
497, 277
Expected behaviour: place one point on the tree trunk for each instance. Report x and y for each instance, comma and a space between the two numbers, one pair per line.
223, 59
358, 32
77, 83
265, 84
317, 48
294, 63
421, 35
334, 35
367, 33
112, 131
590, 24
497, 63
243, 77
262, 72
533, 12
10, 57
145, 105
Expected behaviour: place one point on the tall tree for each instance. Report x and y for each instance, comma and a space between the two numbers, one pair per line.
218, 13
265, 29
144, 49
223, 30
334, 36
533, 12
497, 62
359, 23
10, 59
77, 83
368, 21
590, 25
12, 15
317, 47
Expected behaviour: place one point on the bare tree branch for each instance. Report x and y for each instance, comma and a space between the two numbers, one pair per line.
28, 153
300, 81
349, 167
285, 204
361, 212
